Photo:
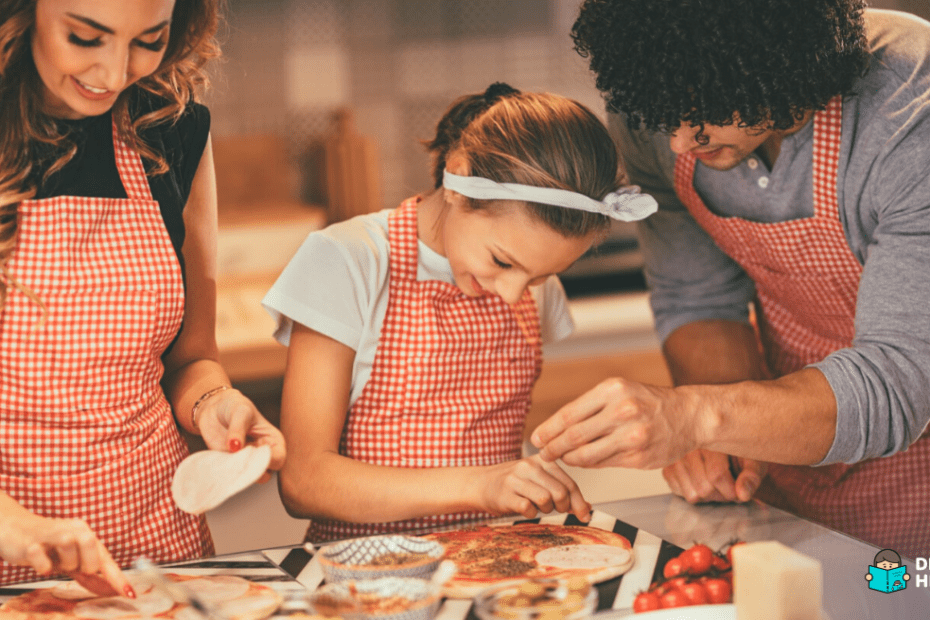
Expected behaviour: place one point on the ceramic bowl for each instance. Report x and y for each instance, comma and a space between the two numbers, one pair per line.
377, 557
387, 598
538, 599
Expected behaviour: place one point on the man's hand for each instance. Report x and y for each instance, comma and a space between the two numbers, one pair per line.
620, 423
705, 476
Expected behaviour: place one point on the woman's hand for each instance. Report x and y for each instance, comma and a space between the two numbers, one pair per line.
531, 485
54, 546
228, 421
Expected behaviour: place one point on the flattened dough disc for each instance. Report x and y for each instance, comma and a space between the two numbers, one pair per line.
206, 479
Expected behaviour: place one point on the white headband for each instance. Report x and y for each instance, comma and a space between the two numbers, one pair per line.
626, 204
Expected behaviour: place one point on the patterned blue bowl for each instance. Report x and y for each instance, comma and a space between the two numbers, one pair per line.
376, 557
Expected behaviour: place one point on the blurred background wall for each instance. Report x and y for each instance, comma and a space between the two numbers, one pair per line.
396, 63
289, 67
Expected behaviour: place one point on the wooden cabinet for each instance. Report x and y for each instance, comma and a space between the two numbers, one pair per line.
261, 225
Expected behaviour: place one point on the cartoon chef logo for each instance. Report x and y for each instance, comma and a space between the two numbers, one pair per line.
887, 574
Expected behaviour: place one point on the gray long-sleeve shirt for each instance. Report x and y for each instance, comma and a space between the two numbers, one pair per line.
881, 382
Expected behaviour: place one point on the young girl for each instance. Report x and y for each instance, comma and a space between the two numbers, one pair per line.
415, 335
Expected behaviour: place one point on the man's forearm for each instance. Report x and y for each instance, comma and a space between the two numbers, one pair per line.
791, 419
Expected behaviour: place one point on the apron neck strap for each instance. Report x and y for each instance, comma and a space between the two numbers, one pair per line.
130, 168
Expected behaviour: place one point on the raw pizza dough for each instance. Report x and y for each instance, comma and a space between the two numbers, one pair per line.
232, 597
585, 556
206, 479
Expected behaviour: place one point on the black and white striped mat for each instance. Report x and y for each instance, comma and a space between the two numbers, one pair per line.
293, 572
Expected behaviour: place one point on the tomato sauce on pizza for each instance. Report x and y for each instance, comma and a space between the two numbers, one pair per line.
489, 555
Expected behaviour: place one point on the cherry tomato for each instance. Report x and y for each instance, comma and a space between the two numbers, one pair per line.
673, 598
675, 582
695, 593
720, 563
698, 559
718, 590
646, 601
673, 568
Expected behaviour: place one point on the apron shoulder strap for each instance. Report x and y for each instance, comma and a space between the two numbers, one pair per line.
130, 168
828, 130
402, 240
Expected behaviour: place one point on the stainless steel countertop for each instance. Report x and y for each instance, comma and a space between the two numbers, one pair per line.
661, 521
845, 560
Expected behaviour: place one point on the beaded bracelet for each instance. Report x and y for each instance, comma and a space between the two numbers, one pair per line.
201, 400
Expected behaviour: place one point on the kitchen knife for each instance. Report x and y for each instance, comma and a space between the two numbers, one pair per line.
177, 591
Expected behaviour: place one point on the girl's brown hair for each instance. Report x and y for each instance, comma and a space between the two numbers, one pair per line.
26, 132
534, 139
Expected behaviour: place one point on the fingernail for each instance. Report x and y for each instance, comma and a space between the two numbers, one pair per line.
234, 445
129, 592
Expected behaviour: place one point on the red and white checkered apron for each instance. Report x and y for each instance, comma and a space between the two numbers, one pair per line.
807, 279
85, 429
450, 385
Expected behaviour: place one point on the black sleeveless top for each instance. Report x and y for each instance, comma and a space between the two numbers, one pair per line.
92, 171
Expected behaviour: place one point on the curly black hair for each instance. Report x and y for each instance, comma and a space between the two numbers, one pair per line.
667, 62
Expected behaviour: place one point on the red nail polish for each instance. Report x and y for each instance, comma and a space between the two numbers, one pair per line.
234, 445
129, 592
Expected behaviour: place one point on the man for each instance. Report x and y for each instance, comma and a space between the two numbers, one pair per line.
788, 145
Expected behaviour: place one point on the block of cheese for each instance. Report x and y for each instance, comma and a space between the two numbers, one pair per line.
774, 582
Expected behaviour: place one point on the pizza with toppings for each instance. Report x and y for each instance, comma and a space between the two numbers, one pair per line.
230, 596
490, 555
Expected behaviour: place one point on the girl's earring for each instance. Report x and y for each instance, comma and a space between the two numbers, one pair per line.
448, 198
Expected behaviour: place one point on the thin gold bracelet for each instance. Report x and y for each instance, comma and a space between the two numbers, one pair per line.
201, 400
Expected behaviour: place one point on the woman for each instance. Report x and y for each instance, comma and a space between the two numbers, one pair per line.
107, 273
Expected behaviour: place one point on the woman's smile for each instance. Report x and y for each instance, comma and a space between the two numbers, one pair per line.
91, 92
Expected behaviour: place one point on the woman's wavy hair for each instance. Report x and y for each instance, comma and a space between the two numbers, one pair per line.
27, 134
535, 139
662, 63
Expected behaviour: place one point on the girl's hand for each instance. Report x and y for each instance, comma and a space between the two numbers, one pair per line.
531, 485
54, 546
228, 421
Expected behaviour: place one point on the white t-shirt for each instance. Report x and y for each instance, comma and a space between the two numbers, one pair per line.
337, 284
